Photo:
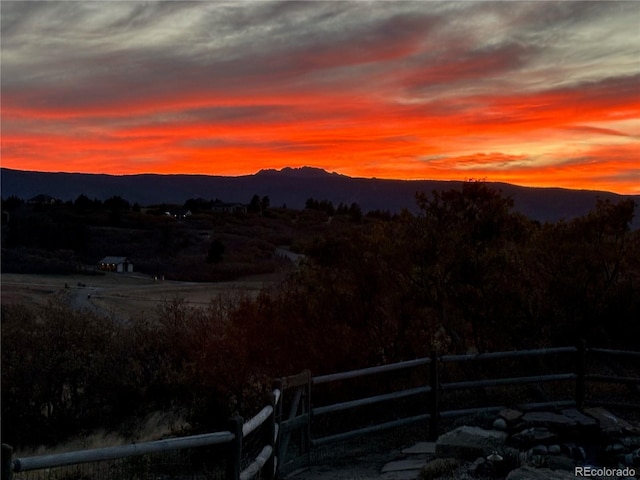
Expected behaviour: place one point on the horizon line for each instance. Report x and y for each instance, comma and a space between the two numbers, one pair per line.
325, 171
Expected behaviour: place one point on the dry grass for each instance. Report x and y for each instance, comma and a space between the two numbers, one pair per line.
156, 425
119, 295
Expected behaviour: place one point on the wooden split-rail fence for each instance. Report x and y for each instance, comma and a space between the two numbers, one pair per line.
288, 437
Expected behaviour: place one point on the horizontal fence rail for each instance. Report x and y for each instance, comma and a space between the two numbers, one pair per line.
368, 430
124, 451
434, 387
497, 382
370, 400
496, 408
250, 425
632, 383
538, 352
266, 415
255, 467
620, 353
391, 367
274, 432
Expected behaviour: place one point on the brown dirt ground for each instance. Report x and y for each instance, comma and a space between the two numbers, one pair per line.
121, 295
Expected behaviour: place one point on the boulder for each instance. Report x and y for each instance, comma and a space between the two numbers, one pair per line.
539, 450
574, 451
609, 423
633, 458
424, 448
554, 449
407, 464
469, 443
580, 418
614, 448
530, 473
631, 442
534, 435
560, 462
548, 420
510, 415
500, 424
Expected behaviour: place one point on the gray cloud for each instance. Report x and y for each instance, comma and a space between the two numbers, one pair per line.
77, 55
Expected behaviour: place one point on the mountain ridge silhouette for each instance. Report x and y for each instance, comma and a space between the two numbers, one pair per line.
288, 186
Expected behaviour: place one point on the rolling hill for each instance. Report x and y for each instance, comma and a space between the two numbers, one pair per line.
289, 186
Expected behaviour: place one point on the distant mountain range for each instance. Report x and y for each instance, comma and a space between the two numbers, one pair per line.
289, 186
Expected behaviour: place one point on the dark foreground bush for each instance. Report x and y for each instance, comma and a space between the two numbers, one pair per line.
66, 371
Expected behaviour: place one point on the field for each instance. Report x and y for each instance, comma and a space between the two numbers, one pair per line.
120, 296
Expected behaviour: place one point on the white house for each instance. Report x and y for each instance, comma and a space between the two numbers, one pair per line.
116, 264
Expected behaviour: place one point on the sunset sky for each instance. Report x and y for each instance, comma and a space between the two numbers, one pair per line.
527, 92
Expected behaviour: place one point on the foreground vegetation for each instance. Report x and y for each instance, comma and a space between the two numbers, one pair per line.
465, 273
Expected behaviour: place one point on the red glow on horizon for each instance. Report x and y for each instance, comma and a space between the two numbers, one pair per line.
498, 139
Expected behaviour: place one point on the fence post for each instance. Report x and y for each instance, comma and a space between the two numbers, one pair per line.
268, 471
306, 408
7, 461
235, 448
434, 410
278, 384
581, 365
